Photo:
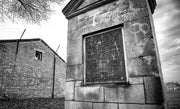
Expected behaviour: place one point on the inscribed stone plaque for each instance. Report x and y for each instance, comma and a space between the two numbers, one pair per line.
104, 57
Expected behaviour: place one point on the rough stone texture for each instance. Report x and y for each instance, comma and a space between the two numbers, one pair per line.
95, 94
78, 83
77, 105
140, 55
144, 48
142, 66
74, 72
134, 4
112, 14
28, 77
153, 90
73, 59
105, 106
137, 106
60, 75
140, 48
74, 53
86, 2
69, 91
130, 94
138, 38
136, 80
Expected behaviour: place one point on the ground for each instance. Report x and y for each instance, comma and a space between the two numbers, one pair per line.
39, 103
173, 99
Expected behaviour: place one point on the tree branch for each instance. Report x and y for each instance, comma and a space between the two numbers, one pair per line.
32, 11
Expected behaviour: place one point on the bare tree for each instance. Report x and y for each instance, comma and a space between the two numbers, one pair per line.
32, 11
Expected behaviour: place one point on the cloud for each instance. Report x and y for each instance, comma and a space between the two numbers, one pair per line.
167, 26
177, 3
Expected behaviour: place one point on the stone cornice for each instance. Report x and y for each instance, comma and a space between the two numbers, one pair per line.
71, 9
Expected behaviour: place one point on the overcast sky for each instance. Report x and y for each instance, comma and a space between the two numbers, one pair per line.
167, 25
54, 32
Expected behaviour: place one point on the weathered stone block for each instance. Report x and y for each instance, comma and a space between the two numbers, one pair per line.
69, 91
112, 14
137, 4
117, 13
74, 44
74, 72
78, 83
72, 24
86, 3
111, 11
153, 90
142, 66
95, 94
77, 105
133, 15
105, 106
1, 81
74, 53
146, 48
84, 20
137, 106
136, 80
125, 94
138, 30
74, 58
43, 93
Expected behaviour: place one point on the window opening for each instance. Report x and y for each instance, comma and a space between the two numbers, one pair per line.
38, 55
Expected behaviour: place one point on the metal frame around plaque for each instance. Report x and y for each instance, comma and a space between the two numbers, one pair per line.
123, 59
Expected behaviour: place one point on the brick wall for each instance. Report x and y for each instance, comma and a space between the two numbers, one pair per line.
29, 77
144, 90
60, 75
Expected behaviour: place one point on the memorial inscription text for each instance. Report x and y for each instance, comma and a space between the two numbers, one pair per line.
104, 57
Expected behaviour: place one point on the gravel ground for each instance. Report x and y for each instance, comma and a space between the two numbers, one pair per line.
39, 103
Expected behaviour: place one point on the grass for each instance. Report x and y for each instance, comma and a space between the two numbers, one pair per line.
38, 103
173, 99
173, 102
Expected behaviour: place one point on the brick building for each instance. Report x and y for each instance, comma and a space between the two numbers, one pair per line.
29, 68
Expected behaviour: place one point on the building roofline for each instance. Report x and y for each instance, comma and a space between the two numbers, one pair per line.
71, 9
52, 50
22, 40
27, 40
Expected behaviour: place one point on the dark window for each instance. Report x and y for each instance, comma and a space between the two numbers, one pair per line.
38, 55
104, 57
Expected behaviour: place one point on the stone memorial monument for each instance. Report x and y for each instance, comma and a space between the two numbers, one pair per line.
112, 55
